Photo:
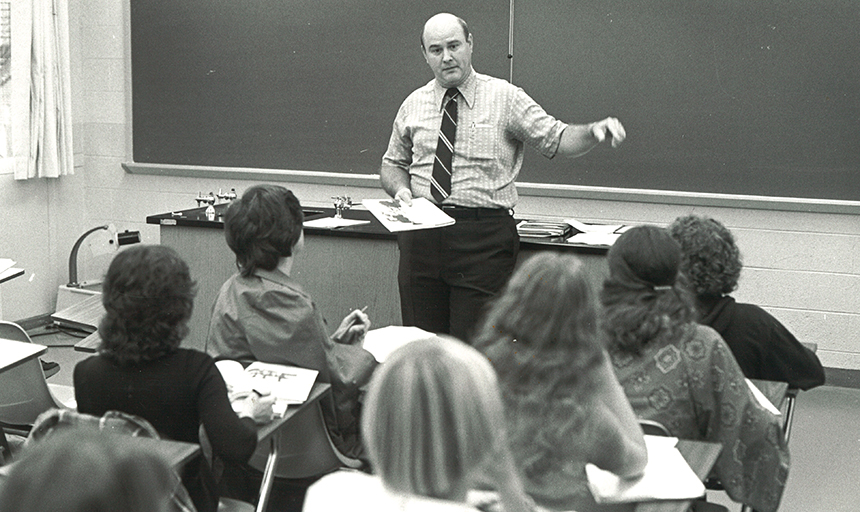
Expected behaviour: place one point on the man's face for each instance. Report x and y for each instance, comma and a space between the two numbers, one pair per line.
448, 52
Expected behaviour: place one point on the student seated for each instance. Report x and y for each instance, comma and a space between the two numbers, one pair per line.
148, 296
563, 404
432, 425
263, 314
682, 374
762, 346
80, 470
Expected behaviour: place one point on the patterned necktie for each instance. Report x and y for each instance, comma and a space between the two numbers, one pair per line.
440, 183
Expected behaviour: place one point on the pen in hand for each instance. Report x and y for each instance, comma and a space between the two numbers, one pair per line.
354, 320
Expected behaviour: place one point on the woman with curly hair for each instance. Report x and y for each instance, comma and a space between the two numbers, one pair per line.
682, 374
564, 406
763, 347
148, 296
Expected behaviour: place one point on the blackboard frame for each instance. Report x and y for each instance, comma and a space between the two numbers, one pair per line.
526, 187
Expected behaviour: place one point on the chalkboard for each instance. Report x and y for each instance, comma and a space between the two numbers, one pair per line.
722, 96
297, 84
729, 96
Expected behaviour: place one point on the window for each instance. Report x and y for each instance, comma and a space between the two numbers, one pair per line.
5, 78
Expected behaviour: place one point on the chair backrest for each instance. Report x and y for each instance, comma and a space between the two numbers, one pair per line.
305, 448
13, 331
24, 392
653, 428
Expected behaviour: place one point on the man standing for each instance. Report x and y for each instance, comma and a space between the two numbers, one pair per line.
458, 141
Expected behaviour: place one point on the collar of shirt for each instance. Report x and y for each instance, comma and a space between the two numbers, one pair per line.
467, 90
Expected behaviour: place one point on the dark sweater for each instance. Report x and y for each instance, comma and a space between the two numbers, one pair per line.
762, 346
176, 394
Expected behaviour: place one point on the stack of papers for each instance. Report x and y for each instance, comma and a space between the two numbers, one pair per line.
667, 476
288, 384
382, 342
396, 216
542, 229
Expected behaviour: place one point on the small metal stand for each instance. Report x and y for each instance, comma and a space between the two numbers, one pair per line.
341, 203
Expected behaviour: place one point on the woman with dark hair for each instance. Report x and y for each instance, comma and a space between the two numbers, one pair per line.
564, 406
763, 347
148, 296
263, 314
682, 374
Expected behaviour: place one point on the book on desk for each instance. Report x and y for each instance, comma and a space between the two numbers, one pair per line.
572, 231
288, 384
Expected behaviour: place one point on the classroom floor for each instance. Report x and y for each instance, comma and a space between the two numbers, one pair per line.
825, 441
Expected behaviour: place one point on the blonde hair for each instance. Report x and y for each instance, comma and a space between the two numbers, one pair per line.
433, 415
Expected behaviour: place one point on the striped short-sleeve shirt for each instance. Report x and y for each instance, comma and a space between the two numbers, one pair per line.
495, 120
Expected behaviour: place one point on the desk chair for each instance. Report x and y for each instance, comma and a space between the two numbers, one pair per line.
653, 428
24, 391
13, 331
5, 451
306, 449
790, 398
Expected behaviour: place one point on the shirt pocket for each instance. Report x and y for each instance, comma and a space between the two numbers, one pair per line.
483, 137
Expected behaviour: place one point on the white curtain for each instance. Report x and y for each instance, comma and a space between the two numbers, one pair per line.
42, 143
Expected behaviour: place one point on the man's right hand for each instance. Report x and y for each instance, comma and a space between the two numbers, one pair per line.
404, 195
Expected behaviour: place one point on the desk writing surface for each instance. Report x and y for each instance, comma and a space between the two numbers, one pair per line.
701, 456
13, 352
10, 273
266, 430
774, 391
177, 453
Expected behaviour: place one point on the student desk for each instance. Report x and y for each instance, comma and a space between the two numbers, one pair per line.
701, 456
342, 269
13, 353
774, 391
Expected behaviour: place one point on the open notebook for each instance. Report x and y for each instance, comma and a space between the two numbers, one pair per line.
288, 384
667, 476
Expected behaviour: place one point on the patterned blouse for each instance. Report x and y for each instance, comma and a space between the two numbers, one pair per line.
694, 387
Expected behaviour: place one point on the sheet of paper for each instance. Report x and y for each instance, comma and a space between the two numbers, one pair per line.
333, 222
667, 476
398, 217
593, 238
385, 340
5, 264
594, 228
759, 396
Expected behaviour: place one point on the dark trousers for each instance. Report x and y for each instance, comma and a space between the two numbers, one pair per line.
447, 275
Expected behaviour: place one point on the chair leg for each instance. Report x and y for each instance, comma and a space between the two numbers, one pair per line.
5, 450
789, 416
